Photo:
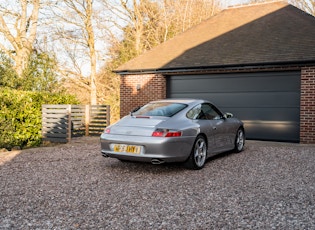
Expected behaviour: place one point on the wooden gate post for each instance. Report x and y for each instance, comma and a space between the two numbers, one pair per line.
87, 119
69, 123
107, 115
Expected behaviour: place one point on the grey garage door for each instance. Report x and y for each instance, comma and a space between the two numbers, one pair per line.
267, 102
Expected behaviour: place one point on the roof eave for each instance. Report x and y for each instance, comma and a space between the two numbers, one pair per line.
247, 66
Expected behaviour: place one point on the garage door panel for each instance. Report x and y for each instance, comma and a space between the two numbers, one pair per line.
264, 99
237, 83
254, 99
263, 114
283, 131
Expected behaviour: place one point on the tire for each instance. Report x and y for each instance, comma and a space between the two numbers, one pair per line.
239, 140
198, 155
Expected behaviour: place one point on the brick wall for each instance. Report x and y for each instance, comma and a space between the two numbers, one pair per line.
307, 112
136, 90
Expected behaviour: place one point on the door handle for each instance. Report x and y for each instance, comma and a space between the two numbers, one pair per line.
214, 128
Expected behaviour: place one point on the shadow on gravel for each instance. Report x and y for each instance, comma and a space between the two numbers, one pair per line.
144, 167
141, 167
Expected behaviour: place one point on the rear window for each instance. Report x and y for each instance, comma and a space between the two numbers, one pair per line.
165, 109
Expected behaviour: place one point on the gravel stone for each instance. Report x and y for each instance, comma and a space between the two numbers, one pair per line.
71, 186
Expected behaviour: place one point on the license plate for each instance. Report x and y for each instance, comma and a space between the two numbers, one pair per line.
121, 148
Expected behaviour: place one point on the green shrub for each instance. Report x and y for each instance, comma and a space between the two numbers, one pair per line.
20, 116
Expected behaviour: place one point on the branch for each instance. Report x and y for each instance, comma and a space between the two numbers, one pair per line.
6, 51
77, 78
34, 19
6, 32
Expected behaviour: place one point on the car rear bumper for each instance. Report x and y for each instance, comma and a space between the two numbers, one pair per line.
153, 149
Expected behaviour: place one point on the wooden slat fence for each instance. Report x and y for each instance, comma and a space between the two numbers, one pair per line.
78, 120
98, 114
55, 123
62, 122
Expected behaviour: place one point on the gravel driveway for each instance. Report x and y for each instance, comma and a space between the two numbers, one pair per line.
71, 186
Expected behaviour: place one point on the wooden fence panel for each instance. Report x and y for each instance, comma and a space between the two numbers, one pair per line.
78, 120
62, 122
99, 119
55, 123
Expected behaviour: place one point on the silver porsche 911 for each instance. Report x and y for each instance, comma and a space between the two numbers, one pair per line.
173, 130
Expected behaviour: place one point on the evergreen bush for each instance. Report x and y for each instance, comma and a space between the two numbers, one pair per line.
21, 117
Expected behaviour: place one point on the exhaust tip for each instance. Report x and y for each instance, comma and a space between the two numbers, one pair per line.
104, 155
157, 161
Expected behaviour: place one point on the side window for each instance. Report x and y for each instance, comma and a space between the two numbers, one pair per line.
208, 112
204, 112
194, 112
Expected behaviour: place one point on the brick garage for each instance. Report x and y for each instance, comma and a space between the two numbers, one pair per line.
307, 110
137, 90
247, 41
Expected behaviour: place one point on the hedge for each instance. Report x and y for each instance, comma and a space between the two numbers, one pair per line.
20, 116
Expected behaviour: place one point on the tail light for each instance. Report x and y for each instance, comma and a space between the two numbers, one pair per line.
166, 133
107, 130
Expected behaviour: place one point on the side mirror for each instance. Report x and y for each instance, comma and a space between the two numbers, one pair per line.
228, 115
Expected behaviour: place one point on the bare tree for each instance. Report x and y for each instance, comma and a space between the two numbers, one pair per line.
18, 20
132, 19
306, 5
147, 23
75, 35
187, 13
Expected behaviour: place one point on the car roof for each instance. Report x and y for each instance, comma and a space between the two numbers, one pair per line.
182, 100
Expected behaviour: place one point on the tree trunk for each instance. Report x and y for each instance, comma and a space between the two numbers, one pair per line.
21, 60
22, 39
91, 45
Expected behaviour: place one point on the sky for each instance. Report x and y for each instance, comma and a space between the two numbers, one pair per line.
235, 2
